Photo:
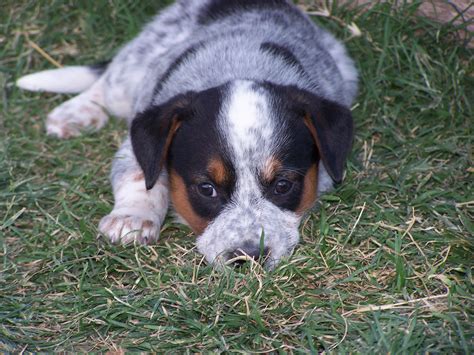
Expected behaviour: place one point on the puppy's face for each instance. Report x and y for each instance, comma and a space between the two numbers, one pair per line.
243, 167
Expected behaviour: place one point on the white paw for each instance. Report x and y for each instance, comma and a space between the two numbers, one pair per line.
127, 229
68, 119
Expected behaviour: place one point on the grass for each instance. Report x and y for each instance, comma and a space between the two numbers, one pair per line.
384, 266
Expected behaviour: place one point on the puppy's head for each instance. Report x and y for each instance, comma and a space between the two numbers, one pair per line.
244, 161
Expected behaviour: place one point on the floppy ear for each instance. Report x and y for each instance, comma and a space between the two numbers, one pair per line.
332, 128
152, 132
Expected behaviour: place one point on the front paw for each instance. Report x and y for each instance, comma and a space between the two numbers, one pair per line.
125, 229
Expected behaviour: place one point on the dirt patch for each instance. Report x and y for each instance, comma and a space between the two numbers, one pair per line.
460, 12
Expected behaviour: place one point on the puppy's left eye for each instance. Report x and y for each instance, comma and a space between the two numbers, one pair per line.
207, 190
282, 187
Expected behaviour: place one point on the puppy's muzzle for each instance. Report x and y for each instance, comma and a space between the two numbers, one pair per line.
248, 252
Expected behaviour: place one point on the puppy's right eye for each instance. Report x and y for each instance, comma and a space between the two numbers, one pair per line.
207, 190
282, 187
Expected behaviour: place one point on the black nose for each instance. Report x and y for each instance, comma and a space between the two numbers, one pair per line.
248, 250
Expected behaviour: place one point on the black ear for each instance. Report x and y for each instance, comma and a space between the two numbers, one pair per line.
332, 128
152, 132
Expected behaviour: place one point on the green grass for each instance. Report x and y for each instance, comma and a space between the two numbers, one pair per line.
385, 265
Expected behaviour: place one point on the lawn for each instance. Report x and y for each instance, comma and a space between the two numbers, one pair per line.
384, 266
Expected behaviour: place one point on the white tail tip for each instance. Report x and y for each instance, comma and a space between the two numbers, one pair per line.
68, 80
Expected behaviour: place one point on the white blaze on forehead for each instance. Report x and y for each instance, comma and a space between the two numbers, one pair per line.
244, 109
248, 125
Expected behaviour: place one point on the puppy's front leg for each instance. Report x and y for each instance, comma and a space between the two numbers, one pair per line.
138, 213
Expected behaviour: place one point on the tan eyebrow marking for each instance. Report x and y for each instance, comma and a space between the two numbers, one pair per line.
270, 169
218, 171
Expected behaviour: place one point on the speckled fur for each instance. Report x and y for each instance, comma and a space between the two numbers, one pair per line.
179, 52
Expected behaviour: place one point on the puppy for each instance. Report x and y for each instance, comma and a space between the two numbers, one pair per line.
238, 113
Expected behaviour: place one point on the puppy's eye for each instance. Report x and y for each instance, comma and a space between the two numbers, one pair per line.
207, 190
282, 187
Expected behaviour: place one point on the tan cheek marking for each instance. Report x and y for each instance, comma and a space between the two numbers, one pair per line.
309, 124
180, 198
218, 171
174, 127
270, 169
307, 121
308, 197
138, 176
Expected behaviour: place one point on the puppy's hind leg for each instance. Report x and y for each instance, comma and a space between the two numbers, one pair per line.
87, 110
138, 213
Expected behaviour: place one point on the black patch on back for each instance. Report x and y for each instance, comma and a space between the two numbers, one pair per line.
283, 53
218, 9
196, 142
189, 52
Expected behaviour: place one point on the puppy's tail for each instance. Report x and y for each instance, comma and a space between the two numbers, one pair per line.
67, 80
